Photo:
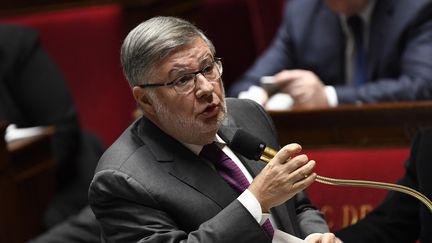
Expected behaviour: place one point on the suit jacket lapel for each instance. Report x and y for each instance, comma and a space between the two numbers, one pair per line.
382, 14
329, 29
183, 164
319, 30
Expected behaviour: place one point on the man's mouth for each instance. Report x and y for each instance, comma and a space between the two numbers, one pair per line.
211, 111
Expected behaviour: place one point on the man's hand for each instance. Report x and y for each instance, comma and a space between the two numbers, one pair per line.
323, 238
304, 86
283, 177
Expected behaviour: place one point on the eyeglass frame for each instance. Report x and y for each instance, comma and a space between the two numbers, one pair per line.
172, 84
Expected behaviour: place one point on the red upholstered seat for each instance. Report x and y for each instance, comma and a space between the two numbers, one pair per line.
345, 205
85, 43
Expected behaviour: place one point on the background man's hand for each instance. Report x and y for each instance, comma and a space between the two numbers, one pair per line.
304, 86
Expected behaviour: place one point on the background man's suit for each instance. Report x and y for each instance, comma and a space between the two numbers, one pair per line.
399, 50
149, 183
33, 93
401, 218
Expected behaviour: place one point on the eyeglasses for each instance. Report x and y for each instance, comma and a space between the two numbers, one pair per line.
186, 83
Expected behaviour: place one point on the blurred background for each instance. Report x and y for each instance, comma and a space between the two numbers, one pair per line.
83, 38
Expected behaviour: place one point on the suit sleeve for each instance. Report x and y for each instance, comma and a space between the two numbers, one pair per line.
310, 219
129, 212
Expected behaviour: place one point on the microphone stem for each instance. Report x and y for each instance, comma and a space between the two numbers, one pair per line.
376, 184
269, 153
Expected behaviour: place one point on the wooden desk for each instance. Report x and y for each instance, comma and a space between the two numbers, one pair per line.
367, 125
26, 185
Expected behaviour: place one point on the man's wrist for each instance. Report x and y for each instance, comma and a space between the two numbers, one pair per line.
249, 201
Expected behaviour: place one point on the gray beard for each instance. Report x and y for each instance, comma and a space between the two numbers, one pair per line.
186, 129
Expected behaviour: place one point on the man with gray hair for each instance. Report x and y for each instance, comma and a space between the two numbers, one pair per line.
159, 183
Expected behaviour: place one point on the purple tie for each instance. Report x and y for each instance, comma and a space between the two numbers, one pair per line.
231, 173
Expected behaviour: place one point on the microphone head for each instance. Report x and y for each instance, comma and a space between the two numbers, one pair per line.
247, 145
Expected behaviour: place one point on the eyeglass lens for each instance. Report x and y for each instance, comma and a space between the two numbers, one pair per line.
186, 83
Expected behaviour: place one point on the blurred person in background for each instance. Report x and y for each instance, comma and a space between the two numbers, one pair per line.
330, 52
34, 93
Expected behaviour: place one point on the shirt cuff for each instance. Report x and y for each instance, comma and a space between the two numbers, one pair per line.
280, 101
331, 96
249, 201
255, 93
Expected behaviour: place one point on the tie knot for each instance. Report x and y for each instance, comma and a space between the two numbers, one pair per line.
213, 153
355, 23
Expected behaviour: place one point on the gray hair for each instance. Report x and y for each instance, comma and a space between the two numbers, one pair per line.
151, 41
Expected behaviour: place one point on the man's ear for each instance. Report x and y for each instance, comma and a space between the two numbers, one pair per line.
143, 101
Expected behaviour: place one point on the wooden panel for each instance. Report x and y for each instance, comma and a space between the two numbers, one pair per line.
20, 7
370, 125
26, 185
136, 11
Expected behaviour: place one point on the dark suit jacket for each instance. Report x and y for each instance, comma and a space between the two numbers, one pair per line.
33, 92
401, 218
399, 63
149, 187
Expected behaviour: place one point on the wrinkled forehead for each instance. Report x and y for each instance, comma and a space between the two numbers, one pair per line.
188, 57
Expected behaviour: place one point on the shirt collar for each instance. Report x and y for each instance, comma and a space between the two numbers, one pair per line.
196, 149
366, 14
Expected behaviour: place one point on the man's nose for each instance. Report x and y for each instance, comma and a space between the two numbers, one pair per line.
203, 85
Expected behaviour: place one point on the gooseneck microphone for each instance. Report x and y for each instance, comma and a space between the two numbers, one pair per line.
254, 148
251, 147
